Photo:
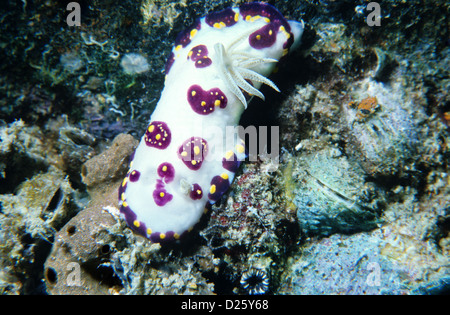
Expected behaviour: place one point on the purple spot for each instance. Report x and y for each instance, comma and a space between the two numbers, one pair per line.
226, 16
167, 172
199, 54
192, 152
169, 62
204, 102
265, 37
196, 192
268, 11
134, 176
161, 197
220, 187
184, 37
232, 164
158, 135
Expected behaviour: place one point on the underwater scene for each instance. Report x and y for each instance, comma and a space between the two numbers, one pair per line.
174, 147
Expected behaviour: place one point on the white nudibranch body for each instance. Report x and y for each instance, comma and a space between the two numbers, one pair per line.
184, 161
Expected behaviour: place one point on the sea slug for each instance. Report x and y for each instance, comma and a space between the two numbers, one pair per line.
183, 162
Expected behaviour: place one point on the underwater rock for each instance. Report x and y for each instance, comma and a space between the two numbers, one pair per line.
385, 133
396, 147
332, 195
345, 265
28, 220
79, 260
111, 164
23, 153
408, 254
390, 260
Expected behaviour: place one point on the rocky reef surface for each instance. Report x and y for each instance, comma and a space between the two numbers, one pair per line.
358, 202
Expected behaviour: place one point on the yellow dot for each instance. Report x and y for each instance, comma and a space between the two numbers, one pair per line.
270, 32
151, 128
158, 136
229, 155
258, 37
222, 24
212, 190
190, 53
224, 176
248, 18
149, 231
236, 17
125, 204
193, 93
162, 236
194, 162
136, 223
193, 33
267, 20
124, 181
122, 196
176, 236
184, 153
240, 148
203, 103
196, 150
178, 47
161, 194
164, 168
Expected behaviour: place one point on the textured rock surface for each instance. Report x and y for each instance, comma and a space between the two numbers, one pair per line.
360, 187
78, 262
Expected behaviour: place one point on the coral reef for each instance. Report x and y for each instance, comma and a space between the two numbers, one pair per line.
79, 261
358, 202
37, 199
333, 196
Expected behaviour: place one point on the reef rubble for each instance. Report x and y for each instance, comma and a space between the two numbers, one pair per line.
357, 203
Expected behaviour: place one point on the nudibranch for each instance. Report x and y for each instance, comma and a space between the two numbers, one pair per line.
183, 162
